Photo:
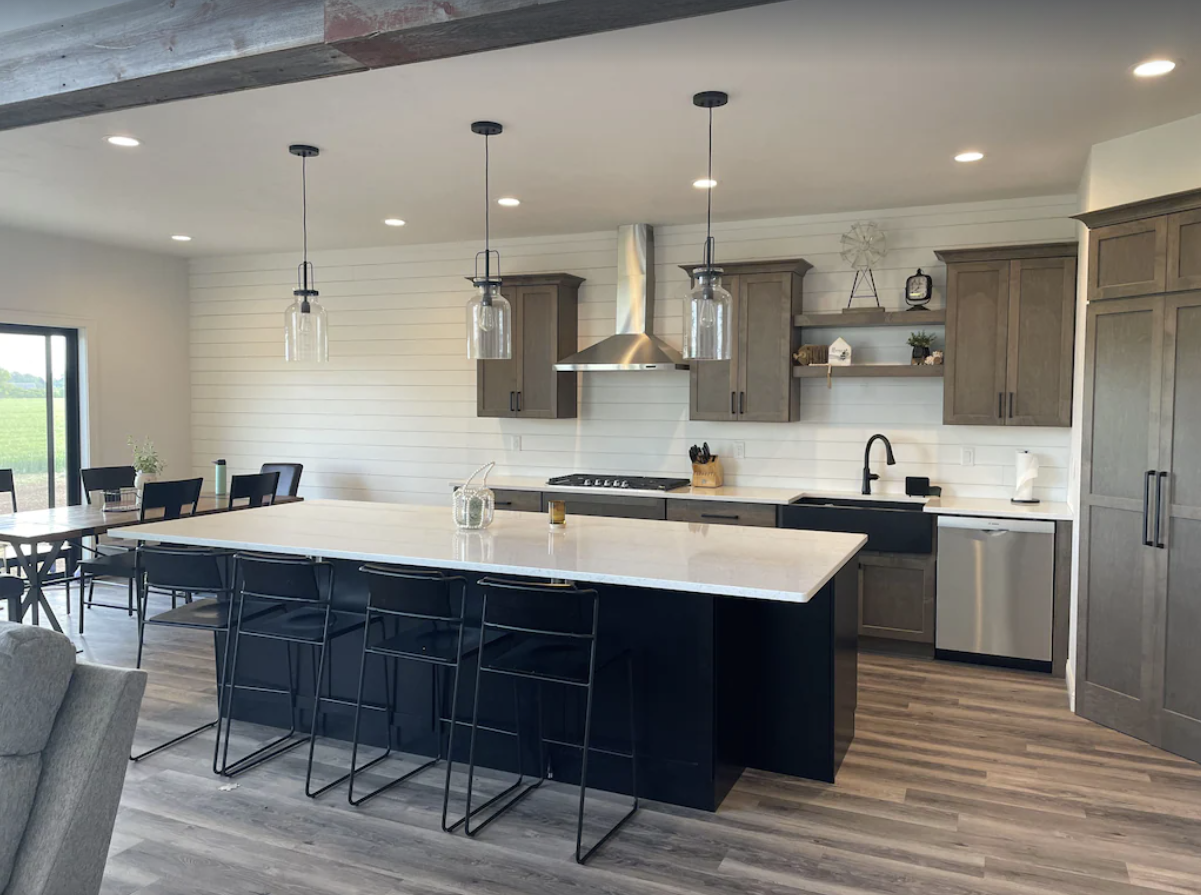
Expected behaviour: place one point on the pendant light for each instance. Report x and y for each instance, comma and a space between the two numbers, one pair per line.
489, 315
708, 312
306, 335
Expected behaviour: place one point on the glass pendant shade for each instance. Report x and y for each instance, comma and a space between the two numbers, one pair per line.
306, 334
708, 324
489, 324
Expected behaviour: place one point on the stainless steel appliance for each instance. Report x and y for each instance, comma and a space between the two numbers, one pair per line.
625, 482
995, 584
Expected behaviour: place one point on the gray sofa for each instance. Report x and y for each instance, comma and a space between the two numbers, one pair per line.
65, 733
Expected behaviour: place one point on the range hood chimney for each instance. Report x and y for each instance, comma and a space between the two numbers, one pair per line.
634, 346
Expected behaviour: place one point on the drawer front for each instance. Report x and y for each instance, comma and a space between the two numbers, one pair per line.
520, 501
610, 505
721, 512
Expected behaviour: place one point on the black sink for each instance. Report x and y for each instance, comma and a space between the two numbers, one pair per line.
891, 526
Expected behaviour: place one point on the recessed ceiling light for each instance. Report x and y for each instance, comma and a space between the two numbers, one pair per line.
972, 156
118, 140
704, 183
179, 237
394, 222
508, 202
1153, 68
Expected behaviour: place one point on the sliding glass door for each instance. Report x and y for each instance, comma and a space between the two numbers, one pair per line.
39, 414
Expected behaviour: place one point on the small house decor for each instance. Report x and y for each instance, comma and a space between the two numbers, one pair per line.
921, 343
840, 353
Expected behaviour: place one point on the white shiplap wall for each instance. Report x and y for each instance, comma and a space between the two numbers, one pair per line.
392, 417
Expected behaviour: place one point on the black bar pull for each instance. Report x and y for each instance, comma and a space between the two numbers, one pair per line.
1011, 405
742, 402
1000, 405
732, 517
512, 408
733, 406
519, 402
1160, 479
503, 503
1146, 505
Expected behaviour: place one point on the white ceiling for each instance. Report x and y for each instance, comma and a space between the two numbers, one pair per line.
856, 106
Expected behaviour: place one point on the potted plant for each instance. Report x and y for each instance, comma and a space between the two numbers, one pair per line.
921, 343
146, 461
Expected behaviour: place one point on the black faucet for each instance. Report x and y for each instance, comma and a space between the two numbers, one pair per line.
868, 475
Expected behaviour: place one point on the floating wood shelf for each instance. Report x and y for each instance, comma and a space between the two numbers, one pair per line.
818, 371
937, 317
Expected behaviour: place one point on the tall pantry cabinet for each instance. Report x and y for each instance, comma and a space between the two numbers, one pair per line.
1139, 624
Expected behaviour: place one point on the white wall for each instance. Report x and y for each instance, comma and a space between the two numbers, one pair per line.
392, 417
132, 310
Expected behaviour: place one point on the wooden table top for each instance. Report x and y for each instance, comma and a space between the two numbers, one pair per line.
64, 523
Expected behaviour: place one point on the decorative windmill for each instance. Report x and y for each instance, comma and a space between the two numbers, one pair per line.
863, 247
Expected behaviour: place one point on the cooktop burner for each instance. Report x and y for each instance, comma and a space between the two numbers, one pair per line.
630, 482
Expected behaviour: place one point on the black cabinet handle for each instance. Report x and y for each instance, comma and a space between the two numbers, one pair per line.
503, 503
733, 405
1000, 405
732, 517
1146, 505
512, 402
1011, 405
1160, 479
519, 402
742, 402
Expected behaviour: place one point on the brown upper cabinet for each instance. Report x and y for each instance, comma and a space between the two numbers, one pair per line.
545, 330
757, 384
1011, 325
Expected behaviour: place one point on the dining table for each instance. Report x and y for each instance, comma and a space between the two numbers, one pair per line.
60, 529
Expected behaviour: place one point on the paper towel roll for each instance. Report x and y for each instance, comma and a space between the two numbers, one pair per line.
1026, 465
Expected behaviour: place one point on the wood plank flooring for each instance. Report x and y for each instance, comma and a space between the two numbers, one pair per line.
961, 780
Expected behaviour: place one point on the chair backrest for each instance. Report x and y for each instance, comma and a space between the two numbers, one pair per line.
290, 578
175, 499
289, 477
201, 570
257, 488
561, 610
7, 487
415, 593
107, 478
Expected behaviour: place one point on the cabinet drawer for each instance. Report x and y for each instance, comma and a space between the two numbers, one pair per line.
721, 512
521, 501
610, 505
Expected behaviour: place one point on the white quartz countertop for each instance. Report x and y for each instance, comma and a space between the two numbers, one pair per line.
999, 509
728, 560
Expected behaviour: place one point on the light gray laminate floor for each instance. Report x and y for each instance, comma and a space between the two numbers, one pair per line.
961, 780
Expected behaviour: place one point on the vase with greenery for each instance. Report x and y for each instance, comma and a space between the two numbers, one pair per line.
921, 343
146, 462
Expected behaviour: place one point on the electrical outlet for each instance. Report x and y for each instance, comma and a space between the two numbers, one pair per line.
512, 442
967, 456
738, 450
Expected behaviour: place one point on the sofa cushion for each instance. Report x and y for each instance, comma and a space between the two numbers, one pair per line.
35, 670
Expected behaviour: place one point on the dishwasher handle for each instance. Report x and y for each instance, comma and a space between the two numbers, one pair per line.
997, 526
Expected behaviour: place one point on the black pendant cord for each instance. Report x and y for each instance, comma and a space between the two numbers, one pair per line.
487, 209
709, 203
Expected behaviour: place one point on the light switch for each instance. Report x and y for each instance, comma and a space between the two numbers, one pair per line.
512, 442
738, 450
967, 456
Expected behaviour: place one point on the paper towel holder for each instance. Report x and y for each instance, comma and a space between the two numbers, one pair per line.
1028, 501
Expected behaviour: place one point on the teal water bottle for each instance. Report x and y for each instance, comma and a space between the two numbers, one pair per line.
220, 482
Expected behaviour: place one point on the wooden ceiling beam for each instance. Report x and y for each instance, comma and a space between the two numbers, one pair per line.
145, 52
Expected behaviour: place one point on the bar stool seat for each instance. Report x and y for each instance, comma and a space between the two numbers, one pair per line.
298, 624
429, 641
206, 613
539, 657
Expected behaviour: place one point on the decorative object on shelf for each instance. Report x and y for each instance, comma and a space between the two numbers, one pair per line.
556, 511
918, 289
812, 354
863, 247
489, 315
306, 333
220, 478
935, 359
706, 467
921, 343
708, 310
839, 353
146, 462
475, 505
1025, 472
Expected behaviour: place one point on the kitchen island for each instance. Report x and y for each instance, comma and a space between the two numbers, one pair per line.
745, 638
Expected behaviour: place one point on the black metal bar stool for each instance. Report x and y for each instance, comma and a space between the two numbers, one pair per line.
552, 637
192, 571
288, 600
420, 616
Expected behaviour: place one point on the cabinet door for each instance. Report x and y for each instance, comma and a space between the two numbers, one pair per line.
896, 596
519, 501
713, 384
977, 323
1042, 325
1177, 625
765, 382
720, 512
1127, 260
499, 381
1184, 251
1122, 388
537, 394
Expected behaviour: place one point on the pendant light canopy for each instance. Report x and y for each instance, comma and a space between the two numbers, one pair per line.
306, 335
489, 315
709, 308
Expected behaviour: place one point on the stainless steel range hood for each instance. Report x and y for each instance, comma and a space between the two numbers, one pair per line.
634, 346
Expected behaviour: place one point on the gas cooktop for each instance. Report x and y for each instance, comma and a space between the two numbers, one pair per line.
630, 482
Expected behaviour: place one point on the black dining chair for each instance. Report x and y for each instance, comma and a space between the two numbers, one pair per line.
11, 591
8, 559
174, 499
104, 480
289, 477
257, 489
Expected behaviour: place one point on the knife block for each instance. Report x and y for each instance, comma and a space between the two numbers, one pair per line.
707, 475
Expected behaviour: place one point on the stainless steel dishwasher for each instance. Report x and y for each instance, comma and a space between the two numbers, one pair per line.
996, 579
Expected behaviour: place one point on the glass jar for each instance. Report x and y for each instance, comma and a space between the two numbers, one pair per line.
474, 505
